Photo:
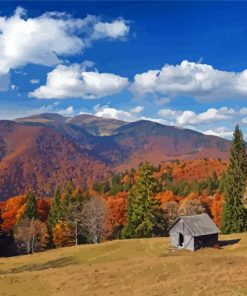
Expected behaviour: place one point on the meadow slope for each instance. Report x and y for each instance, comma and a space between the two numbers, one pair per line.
134, 267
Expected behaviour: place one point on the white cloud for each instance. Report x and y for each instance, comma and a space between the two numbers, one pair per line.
109, 112
45, 39
137, 109
189, 117
200, 81
34, 81
67, 112
116, 29
222, 132
158, 120
72, 81
243, 111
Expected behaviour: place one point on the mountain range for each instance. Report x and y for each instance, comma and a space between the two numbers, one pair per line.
41, 151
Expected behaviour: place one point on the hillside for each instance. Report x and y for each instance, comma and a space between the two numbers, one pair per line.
145, 140
43, 150
134, 267
38, 158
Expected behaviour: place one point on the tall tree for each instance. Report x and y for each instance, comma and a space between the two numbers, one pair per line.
143, 208
93, 218
31, 211
56, 211
75, 214
234, 213
67, 197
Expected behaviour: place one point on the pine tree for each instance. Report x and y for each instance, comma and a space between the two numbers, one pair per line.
31, 211
143, 209
234, 213
56, 212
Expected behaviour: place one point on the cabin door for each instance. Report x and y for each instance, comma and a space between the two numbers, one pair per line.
181, 240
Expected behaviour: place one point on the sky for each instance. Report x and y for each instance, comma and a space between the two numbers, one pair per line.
177, 63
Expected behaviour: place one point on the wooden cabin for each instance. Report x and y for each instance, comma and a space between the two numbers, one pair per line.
194, 232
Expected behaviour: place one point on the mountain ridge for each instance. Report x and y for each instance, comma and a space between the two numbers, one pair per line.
41, 150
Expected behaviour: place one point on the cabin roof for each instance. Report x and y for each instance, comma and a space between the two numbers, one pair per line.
198, 224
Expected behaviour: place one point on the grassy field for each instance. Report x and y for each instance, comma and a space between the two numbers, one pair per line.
133, 267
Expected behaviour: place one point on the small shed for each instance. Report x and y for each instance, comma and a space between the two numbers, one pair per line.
194, 232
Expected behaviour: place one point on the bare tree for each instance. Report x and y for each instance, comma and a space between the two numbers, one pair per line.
73, 219
93, 218
31, 235
192, 207
171, 212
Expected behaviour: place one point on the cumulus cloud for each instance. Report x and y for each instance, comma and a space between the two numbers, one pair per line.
109, 112
116, 29
45, 39
73, 81
200, 81
188, 117
220, 132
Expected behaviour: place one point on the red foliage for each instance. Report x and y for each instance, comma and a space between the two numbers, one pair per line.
43, 205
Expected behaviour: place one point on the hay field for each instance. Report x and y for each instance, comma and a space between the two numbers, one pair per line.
128, 267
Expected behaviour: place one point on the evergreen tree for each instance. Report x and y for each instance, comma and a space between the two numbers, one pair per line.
234, 213
143, 209
31, 211
56, 212
67, 197
68, 192
222, 183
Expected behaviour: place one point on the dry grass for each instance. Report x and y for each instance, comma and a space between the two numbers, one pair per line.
135, 267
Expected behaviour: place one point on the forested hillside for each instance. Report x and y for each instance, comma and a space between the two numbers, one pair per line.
45, 150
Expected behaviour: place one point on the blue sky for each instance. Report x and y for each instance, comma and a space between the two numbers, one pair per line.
178, 63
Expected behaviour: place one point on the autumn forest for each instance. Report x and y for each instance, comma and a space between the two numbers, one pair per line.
141, 202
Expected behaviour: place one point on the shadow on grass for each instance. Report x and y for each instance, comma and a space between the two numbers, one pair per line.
224, 243
62, 262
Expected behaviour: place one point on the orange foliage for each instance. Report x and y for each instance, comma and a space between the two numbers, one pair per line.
216, 208
117, 214
62, 235
194, 169
12, 209
165, 196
